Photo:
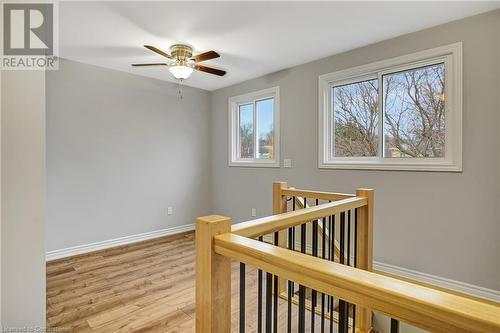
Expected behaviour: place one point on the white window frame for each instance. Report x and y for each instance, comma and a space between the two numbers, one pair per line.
451, 56
233, 121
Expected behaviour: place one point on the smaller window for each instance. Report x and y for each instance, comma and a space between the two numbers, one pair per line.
254, 129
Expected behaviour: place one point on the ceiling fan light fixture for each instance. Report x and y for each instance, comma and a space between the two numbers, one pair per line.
180, 72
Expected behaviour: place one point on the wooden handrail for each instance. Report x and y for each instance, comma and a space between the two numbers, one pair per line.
424, 307
270, 224
292, 192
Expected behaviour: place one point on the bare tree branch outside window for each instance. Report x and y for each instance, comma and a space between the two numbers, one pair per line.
265, 128
414, 113
246, 131
355, 119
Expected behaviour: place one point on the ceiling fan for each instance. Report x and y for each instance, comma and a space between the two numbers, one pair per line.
182, 62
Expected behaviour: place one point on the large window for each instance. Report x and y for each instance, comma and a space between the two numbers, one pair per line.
254, 129
403, 114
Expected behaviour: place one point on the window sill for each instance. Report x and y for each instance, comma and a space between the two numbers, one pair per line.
349, 165
254, 164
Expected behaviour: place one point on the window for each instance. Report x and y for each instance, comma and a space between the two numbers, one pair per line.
401, 114
254, 129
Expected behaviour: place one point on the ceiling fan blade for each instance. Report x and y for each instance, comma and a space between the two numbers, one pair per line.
205, 56
157, 50
154, 64
210, 70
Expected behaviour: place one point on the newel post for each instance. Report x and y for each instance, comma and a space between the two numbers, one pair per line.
213, 277
279, 200
279, 206
364, 243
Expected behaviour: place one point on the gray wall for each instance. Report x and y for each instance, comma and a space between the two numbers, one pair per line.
446, 224
23, 198
121, 149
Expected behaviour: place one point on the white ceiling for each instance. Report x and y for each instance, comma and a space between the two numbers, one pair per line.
253, 38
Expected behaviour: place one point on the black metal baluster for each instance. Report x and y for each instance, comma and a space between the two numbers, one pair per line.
269, 302
242, 297
303, 233
302, 309
293, 234
322, 312
331, 305
323, 244
343, 309
332, 239
394, 326
315, 254
332, 255
348, 305
355, 263
259, 298
302, 289
342, 238
329, 256
356, 237
276, 290
331, 243
290, 284
348, 238
323, 240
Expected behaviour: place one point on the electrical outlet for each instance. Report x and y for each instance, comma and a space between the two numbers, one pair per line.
254, 212
287, 163
170, 210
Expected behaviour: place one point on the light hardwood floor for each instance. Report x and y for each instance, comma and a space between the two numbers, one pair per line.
142, 287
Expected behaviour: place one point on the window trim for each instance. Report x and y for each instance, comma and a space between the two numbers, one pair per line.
233, 122
451, 55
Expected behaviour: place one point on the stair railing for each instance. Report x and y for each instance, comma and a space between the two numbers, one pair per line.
324, 285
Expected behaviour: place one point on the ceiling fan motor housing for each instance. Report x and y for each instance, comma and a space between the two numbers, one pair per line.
181, 53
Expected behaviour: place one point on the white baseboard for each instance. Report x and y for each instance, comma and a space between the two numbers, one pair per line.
466, 288
86, 248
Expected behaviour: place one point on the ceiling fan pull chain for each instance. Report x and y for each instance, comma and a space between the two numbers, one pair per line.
180, 89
